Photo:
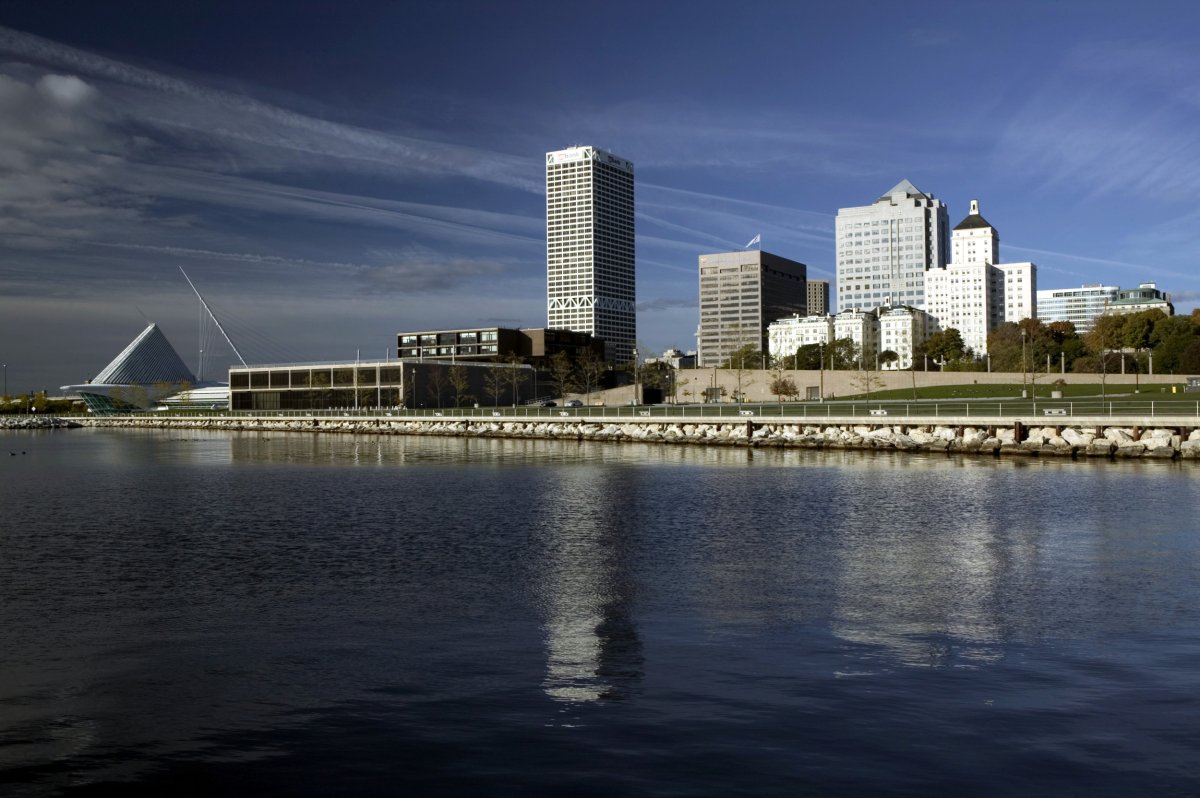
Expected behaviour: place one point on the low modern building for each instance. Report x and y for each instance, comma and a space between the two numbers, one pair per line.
492, 343
1135, 300
379, 384
741, 293
1080, 306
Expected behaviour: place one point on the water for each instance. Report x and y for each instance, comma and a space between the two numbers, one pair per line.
205, 614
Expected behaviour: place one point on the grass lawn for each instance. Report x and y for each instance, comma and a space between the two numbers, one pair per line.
1041, 391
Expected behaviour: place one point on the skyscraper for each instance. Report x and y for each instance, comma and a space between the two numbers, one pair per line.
885, 249
741, 294
589, 247
818, 297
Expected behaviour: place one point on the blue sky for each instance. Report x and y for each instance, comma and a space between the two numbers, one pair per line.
330, 174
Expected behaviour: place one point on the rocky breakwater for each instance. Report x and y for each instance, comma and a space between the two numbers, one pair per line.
1055, 441
35, 422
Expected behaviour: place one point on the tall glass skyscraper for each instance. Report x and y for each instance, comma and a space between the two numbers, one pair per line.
589, 247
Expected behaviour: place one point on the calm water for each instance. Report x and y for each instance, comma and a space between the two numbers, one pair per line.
223, 614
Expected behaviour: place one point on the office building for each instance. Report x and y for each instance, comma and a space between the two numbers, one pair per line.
741, 293
590, 247
818, 297
975, 293
884, 250
534, 345
1145, 297
1080, 306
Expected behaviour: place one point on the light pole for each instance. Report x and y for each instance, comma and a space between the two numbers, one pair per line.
1024, 385
635, 376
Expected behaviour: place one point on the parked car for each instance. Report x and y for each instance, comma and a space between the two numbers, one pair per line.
548, 403
573, 403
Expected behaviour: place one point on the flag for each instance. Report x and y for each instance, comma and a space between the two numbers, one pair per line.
756, 240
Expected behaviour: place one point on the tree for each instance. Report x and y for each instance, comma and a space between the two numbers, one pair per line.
494, 382
808, 357
460, 380
887, 357
513, 375
746, 357
591, 368
783, 386
944, 346
841, 354
436, 383
562, 373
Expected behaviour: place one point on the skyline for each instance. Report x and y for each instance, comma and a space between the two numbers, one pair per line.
329, 178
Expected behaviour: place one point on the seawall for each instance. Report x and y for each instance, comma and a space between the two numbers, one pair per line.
1158, 438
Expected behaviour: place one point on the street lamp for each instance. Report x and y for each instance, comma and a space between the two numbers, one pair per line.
1024, 385
635, 376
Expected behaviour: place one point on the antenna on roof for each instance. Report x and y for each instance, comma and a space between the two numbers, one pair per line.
213, 316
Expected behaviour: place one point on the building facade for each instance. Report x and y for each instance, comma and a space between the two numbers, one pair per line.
818, 297
861, 327
1145, 297
492, 343
1080, 306
885, 250
976, 293
785, 336
741, 293
590, 272
901, 330
379, 384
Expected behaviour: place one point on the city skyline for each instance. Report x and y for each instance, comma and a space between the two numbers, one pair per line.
327, 187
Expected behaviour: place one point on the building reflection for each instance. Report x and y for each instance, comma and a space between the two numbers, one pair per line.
585, 585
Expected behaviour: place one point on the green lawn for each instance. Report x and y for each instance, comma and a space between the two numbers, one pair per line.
1041, 391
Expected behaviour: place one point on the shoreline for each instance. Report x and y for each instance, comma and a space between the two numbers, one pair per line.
1163, 438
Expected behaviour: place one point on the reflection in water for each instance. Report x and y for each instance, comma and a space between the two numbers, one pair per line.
592, 647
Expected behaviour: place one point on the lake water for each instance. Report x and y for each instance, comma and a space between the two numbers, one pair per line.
188, 613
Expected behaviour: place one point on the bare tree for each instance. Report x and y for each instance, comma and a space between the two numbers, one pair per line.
460, 381
562, 373
494, 382
513, 375
591, 368
436, 384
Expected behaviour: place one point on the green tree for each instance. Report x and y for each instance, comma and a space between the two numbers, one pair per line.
747, 357
841, 354
809, 357
887, 357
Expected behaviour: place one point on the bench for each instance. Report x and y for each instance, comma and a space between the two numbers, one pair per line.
745, 412
438, 414
879, 412
643, 412
494, 413
1054, 411
563, 413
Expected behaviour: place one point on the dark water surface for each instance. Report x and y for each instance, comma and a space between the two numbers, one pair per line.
224, 614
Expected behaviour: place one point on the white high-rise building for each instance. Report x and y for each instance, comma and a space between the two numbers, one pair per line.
885, 250
976, 293
590, 271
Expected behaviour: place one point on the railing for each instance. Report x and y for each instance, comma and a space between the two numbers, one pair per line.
1052, 411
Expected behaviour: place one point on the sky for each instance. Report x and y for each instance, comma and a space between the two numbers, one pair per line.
329, 174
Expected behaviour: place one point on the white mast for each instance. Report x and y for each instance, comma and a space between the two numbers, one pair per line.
213, 316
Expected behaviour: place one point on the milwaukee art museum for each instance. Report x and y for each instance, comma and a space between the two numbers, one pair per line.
148, 373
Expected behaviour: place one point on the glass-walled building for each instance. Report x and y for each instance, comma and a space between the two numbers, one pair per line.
379, 384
